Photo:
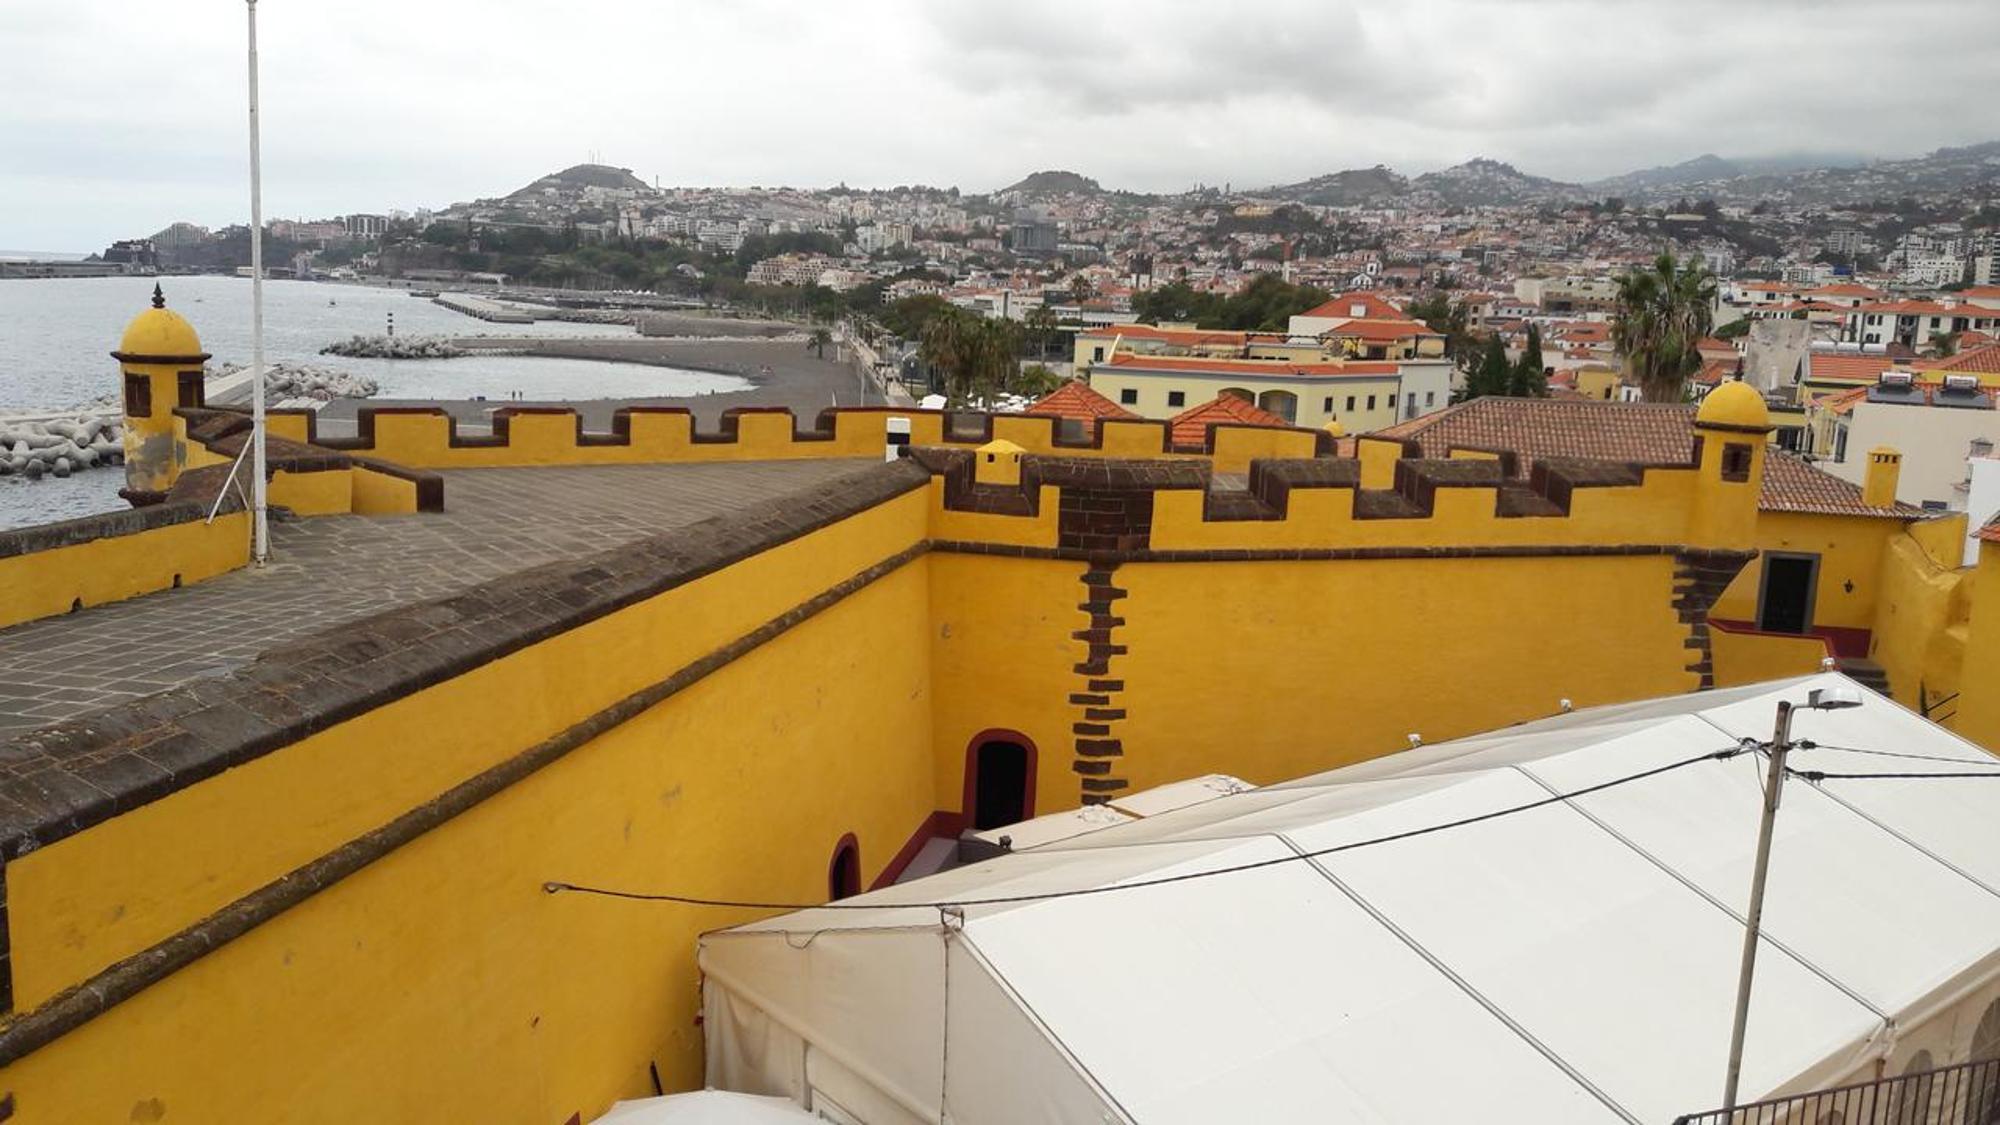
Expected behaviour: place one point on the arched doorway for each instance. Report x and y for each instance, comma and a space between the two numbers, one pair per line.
999, 779
1284, 404
1983, 1108
843, 874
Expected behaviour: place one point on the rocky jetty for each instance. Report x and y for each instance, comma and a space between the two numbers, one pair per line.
395, 347
284, 382
59, 446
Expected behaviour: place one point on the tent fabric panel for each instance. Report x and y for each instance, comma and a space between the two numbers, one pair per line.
835, 1093
1264, 995
1005, 1068
748, 1051
871, 998
1829, 867
1603, 957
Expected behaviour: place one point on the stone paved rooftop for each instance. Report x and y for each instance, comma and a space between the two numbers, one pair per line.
334, 569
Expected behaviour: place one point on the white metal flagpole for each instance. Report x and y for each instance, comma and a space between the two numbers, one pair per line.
260, 541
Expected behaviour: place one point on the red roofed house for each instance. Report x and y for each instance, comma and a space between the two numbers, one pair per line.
1076, 400
1360, 395
1079, 408
1369, 327
1190, 427
1914, 323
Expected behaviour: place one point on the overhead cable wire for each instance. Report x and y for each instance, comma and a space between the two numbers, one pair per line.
1805, 744
557, 887
1823, 775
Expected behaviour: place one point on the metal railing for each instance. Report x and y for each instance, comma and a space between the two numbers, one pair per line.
1966, 1094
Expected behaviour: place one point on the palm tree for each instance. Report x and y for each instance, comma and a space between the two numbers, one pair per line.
1662, 315
819, 341
944, 345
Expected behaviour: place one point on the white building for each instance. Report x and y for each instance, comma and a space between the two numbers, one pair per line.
1933, 427
1356, 947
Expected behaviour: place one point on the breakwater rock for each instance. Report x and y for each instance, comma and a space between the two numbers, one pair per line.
59, 446
230, 384
395, 347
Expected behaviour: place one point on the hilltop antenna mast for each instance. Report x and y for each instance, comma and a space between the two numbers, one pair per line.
260, 531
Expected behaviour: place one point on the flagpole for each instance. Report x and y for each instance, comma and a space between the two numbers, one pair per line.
260, 541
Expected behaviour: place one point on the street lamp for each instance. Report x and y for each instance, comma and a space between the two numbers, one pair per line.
1818, 699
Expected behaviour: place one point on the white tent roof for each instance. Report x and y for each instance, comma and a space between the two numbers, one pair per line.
1576, 962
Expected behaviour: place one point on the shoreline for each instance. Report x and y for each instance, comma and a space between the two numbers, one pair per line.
782, 373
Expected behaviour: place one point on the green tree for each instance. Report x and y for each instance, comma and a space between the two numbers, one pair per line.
1492, 376
819, 341
1661, 316
1453, 320
1040, 323
1529, 378
1036, 380
976, 358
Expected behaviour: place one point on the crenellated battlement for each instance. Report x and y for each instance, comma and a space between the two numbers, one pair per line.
431, 438
1140, 508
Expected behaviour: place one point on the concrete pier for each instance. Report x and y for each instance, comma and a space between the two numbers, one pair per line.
482, 308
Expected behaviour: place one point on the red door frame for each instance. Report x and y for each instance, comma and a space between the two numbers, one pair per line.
847, 843
969, 800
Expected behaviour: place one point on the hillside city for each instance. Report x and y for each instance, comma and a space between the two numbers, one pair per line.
645, 654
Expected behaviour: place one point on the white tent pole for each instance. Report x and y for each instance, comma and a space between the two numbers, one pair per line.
260, 533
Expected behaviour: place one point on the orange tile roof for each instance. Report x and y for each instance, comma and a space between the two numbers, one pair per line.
1991, 532
1075, 399
1269, 368
1341, 307
1844, 289
1714, 371
1190, 426
1983, 360
1980, 291
1793, 485
1922, 308
1846, 367
1637, 433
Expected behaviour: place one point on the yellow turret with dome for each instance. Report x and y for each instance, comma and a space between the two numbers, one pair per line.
1734, 404
1732, 429
161, 359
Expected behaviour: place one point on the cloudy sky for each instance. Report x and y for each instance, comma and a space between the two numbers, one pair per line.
119, 116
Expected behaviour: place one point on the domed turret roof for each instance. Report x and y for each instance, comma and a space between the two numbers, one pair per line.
1734, 404
160, 333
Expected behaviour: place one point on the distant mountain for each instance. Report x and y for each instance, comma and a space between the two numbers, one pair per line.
1052, 183
1355, 187
1707, 166
1481, 182
576, 177
1825, 179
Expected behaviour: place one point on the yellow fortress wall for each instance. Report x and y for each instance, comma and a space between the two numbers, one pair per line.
333, 909
441, 966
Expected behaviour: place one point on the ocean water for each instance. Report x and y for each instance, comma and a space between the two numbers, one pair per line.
56, 336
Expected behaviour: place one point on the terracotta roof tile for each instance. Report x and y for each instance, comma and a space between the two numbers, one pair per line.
1637, 433
1982, 360
1846, 367
1792, 485
1075, 399
1190, 426
1341, 307
1991, 532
